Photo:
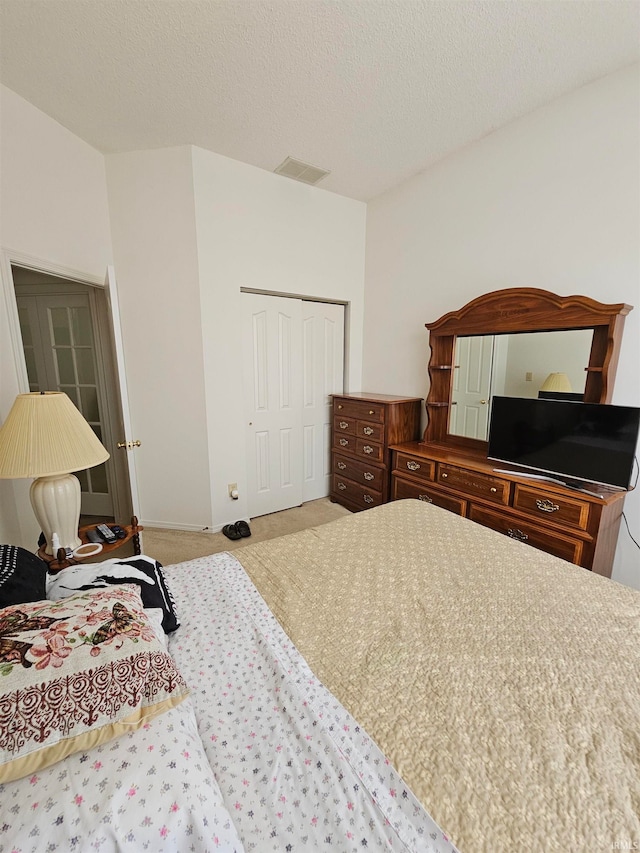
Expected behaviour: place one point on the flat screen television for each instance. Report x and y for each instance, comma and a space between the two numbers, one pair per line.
560, 395
570, 442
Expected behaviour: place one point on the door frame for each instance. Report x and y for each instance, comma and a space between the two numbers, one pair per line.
124, 501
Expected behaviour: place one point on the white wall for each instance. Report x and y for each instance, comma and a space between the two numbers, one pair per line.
542, 353
550, 201
260, 230
53, 191
154, 239
254, 229
53, 210
190, 228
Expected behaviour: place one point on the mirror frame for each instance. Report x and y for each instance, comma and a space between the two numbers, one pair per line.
519, 309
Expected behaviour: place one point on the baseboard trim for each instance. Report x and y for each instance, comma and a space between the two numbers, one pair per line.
170, 525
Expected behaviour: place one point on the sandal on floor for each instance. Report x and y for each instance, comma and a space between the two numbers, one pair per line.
231, 531
243, 528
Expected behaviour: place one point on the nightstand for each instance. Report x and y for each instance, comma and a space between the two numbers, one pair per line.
62, 561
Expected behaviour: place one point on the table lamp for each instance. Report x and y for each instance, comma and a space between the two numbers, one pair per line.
46, 437
556, 382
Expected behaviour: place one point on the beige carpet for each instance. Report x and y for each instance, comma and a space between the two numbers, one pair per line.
175, 546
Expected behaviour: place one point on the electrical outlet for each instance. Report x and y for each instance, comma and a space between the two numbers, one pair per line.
528, 377
233, 487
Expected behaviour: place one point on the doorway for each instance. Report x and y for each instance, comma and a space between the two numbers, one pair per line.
293, 352
64, 327
472, 386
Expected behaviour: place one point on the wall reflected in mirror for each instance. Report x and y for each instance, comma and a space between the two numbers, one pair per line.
514, 365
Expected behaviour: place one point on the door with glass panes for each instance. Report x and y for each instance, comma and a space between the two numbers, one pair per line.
59, 348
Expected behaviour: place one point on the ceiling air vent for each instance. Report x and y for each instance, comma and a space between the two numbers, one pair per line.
300, 171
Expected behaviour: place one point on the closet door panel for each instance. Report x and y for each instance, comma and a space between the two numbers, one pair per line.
273, 402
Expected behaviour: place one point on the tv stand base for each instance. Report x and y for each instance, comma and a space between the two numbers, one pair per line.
574, 485
575, 522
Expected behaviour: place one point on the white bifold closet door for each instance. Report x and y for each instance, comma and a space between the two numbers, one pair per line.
293, 361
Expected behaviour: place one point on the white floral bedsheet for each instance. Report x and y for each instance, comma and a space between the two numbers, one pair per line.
151, 789
273, 763
295, 770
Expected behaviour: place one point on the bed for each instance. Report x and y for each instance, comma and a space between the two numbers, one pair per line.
399, 679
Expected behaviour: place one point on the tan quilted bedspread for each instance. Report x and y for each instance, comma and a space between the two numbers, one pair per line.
502, 683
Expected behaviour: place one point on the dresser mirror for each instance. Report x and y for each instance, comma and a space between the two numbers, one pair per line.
527, 364
575, 336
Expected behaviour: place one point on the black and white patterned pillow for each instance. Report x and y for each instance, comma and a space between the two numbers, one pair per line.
22, 576
143, 571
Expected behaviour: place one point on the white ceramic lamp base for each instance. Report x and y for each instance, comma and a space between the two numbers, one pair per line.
56, 505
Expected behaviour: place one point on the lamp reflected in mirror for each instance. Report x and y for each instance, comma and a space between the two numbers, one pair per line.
557, 382
557, 386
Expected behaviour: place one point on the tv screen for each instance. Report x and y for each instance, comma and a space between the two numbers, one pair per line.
560, 395
587, 442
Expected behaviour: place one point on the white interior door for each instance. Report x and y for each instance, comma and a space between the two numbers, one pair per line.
111, 290
272, 370
60, 354
471, 386
323, 375
293, 360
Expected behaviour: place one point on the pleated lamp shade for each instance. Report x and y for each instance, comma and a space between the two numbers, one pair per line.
556, 382
44, 435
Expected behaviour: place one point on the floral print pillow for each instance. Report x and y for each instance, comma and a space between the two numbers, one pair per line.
78, 672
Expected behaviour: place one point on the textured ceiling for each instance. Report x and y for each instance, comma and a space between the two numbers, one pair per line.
373, 90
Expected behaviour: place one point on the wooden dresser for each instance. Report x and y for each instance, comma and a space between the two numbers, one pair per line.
577, 527
363, 429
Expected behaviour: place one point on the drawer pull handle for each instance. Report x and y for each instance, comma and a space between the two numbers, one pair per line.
342, 487
493, 489
425, 498
372, 411
413, 466
341, 466
444, 475
547, 506
340, 405
514, 533
367, 431
367, 448
343, 424
367, 499
344, 442
368, 475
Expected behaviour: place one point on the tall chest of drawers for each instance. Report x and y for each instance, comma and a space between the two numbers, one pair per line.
363, 429
578, 527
